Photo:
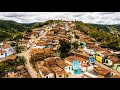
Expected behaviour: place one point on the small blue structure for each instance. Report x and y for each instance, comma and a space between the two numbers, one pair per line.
74, 69
78, 71
91, 59
5, 54
75, 65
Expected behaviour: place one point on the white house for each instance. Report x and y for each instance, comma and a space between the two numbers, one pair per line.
89, 68
68, 69
35, 46
6, 50
3, 54
9, 50
89, 51
25, 43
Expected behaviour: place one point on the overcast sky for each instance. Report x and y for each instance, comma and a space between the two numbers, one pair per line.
87, 17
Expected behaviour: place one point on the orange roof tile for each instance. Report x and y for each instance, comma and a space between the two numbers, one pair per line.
11, 57
58, 70
61, 63
45, 71
80, 58
107, 53
37, 50
13, 75
40, 50
39, 43
101, 70
114, 59
51, 61
5, 46
1, 51
50, 32
116, 76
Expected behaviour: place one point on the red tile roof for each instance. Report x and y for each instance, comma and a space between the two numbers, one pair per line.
40, 50
114, 58
11, 57
80, 58
58, 70
61, 63
5, 46
45, 71
101, 70
116, 76
1, 51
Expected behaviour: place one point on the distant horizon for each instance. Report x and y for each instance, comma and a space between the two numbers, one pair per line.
64, 20
58, 19
104, 18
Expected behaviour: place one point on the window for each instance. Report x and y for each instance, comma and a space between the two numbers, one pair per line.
98, 54
10, 49
60, 76
69, 68
106, 61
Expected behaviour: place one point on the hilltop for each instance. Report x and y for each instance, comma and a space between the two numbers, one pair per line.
108, 35
9, 25
57, 46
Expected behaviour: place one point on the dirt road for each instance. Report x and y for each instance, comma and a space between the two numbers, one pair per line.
27, 56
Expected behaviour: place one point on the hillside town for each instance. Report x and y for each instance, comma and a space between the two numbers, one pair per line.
44, 57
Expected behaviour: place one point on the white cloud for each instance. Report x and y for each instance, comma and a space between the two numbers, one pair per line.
87, 17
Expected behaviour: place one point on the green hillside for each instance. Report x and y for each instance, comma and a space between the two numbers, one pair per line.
108, 35
9, 29
107, 28
109, 38
9, 25
102, 27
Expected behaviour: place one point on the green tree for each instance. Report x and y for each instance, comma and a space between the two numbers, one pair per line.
13, 44
62, 55
10, 66
76, 36
64, 48
19, 36
29, 30
20, 60
18, 49
75, 45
